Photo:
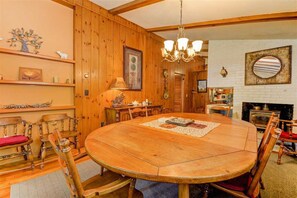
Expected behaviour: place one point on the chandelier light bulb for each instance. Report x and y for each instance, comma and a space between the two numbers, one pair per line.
190, 51
176, 54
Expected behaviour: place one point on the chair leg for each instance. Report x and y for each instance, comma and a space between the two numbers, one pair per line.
261, 184
294, 149
101, 170
77, 145
43, 155
280, 153
131, 188
259, 195
39, 154
24, 152
30, 156
205, 190
293, 146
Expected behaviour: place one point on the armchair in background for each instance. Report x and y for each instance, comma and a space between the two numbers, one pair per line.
15, 133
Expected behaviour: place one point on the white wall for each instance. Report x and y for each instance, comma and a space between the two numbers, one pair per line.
231, 55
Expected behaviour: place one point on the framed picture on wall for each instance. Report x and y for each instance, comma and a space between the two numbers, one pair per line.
201, 86
30, 74
133, 68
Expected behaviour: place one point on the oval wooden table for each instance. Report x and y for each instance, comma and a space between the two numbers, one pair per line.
138, 151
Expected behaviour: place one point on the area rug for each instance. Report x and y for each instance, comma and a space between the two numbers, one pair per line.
54, 185
279, 180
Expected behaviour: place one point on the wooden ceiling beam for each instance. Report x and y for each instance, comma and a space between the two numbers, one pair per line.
231, 21
132, 6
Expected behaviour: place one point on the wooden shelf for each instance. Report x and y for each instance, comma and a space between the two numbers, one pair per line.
14, 52
2, 111
16, 82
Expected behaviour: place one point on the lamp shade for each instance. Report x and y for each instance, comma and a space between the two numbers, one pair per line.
182, 43
197, 45
118, 84
168, 45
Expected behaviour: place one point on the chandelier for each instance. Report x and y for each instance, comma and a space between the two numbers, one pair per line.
181, 50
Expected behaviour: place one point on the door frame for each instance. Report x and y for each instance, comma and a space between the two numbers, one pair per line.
182, 90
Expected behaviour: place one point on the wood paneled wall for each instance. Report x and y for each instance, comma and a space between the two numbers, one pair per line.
99, 40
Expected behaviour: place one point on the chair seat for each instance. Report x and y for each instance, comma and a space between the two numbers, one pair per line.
238, 184
64, 134
286, 135
13, 140
108, 177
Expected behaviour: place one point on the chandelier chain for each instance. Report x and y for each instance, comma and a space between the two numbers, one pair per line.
181, 13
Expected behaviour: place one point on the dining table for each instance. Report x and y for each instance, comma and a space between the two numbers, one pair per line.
211, 148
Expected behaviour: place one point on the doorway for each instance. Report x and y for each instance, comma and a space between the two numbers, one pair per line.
179, 92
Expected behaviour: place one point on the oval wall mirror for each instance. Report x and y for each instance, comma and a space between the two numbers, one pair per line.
267, 67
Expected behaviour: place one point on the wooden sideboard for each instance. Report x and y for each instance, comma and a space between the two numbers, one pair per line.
117, 114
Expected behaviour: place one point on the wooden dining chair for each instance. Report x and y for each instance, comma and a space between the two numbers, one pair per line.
225, 111
154, 111
166, 110
125, 115
15, 139
272, 122
287, 137
68, 129
138, 112
247, 185
106, 184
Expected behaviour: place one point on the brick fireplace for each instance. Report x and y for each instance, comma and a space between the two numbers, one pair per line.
231, 54
261, 116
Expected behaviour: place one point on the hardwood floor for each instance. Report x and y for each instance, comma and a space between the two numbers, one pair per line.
9, 179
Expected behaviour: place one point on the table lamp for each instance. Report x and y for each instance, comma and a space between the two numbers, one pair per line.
118, 84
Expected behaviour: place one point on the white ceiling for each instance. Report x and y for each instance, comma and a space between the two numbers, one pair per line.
166, 13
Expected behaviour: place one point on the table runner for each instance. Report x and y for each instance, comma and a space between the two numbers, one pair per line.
197, 132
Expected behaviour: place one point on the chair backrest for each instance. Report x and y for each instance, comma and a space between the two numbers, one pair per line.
262, 159
273, 122
66, 161
10, 126
62, 121
166, 110
155, 111
138, 112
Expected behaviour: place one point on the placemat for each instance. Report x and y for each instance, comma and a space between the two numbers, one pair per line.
198, 129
